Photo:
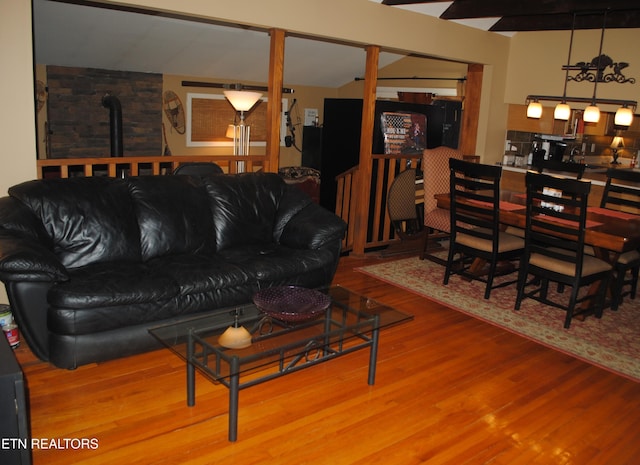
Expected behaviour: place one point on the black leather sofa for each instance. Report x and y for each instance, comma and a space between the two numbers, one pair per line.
90, 263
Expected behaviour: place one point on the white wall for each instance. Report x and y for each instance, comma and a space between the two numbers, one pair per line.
17, 118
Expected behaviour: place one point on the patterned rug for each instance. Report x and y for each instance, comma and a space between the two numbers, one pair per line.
612, 342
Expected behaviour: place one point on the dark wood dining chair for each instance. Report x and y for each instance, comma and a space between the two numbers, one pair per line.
475, 225
401, 206
198, 168
622, 193
554, 246
435, 169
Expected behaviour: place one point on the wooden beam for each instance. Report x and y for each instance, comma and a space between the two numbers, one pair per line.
274, 104
471, 110
363, 180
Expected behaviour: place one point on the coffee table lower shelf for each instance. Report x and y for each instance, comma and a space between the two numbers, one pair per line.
198, 358
351, 323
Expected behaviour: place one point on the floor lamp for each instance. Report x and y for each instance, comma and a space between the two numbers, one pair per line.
242, 101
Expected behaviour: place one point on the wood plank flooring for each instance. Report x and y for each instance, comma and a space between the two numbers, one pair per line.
449, 390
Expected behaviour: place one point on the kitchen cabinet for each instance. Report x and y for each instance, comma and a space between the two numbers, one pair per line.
517, 120
632, 131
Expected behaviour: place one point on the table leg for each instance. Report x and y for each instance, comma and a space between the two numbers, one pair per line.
234, 393
191, 373
191, 385
373, 355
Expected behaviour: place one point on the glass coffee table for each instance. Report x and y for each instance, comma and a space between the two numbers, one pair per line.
351, 322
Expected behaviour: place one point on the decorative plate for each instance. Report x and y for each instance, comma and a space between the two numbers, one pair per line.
291, 303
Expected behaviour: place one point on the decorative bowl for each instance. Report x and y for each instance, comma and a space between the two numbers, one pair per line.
291, 303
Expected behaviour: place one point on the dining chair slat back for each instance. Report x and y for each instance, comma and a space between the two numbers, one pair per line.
622, 193
554, 246
476, 235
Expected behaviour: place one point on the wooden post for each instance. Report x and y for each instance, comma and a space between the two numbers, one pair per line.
471, 111
274, 104
363, 180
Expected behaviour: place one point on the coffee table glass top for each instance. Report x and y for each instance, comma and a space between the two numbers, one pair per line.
350, 319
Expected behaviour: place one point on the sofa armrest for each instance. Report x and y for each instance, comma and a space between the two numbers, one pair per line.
22, 258
312, 228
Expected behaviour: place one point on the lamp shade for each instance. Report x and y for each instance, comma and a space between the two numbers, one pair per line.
617, 142
562, 111
242, 100
231, 131
624, 117
534, 110
591, 114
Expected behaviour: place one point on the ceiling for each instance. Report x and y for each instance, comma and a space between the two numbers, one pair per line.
74, 35
68, 33
529, 15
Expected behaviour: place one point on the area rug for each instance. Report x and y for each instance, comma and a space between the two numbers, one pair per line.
612, 342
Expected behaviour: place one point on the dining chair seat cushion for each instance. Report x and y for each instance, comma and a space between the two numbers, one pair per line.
628, 257
515, 231
506, 242
590, 265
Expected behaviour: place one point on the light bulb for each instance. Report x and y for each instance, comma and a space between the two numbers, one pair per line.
591, 114
534, 110
562, 111
624, 117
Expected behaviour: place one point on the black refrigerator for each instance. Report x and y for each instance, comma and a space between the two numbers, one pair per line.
342, 121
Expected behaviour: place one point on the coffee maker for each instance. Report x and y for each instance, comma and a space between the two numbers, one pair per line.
557, 150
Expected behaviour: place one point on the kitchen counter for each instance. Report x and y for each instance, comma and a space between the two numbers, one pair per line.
595, 174
513, 180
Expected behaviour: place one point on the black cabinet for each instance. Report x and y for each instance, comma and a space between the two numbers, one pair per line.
342, 121
14, 418
312, 147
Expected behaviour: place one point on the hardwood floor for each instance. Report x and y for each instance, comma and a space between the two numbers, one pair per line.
449, 390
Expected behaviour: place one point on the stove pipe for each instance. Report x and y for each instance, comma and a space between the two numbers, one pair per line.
115, 122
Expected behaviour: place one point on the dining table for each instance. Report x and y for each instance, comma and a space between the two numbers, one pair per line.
609, 232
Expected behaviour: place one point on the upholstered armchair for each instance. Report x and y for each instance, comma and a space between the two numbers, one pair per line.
435, 166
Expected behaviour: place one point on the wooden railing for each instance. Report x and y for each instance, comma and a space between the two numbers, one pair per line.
385, 169
154, 165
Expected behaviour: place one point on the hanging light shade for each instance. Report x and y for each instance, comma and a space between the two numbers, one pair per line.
591, 114
562, 111
624, 117
534, 110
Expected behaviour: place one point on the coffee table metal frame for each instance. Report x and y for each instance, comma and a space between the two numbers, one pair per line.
351, 323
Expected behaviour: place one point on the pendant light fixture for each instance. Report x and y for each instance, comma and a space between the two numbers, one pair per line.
534, 109
563, 110
592, 112
624, 114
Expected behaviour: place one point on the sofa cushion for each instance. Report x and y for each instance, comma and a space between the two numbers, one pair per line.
199, 273
244, 207
88, 219
112, 284
103, 297
173, 214
272, 263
